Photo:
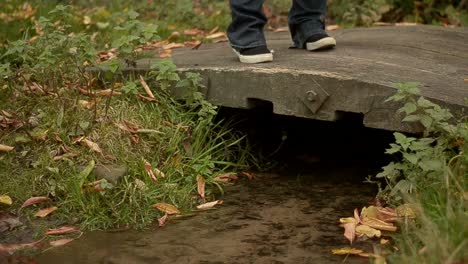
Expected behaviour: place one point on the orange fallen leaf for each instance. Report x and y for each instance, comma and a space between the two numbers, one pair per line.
34, 200
249, 175
209, 205
6, 148
62, 230
350, 231
226, 177
45, 212
61, 242
201, 186
146, 87
216, 35
162, 220
386, 214
165, 53
173, 45
91, 145
150, 172
167, 208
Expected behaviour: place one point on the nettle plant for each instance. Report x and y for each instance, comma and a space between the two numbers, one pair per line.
424, 160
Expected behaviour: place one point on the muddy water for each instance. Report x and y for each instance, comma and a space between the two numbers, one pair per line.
277, 218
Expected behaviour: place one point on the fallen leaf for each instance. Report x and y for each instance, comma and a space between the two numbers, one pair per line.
193, 32
356, 216
146, 87
167, 53
173, 45
167, 208
34, 200
93, 146
5, 199
387, 214
201, 186
140, 185
157, 171
12, 248
214, 30
45, 212
348, 220
216, 35
406, 24
406, 210
150, 172
226, 177
249, 175
62, 230
365, 230
221, 40
6, 148
162, 220
209, 205
384, 241
378, 224
149, 99
332, 27
61, 242
282, 29
350, 231
347, 251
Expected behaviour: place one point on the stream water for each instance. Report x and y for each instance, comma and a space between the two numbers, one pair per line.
289, 217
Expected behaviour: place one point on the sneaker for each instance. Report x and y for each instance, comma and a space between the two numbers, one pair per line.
254, 55
319, 41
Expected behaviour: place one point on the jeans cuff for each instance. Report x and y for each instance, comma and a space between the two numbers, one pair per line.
251, 45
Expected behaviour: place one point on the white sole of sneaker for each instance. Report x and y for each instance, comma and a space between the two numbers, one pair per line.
325, 43
254, 58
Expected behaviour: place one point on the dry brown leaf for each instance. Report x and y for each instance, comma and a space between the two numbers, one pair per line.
34, 200
61, 242
221, 40
62, 230
383, 24
146, 87
332, 27
356, 216
350, 232
282, 29
346, 220
347, 251
216, 35
6, 148
406, 210
141, 185
173, 45
226, 177
150, 172
5, 199
384, 241
146, 98
406, 24
193, 44
167, 208
209, 205
167, 53
91, 145
194, 32
162, 220
386, 214
378, 224
365, 230
247, 174
45, 212
214, 30
12, 248
201, 186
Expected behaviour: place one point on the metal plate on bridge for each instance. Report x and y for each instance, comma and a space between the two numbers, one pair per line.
355, 77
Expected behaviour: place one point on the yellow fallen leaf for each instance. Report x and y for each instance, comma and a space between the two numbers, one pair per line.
201, 186
365, 230
93, 146
216, 35
5, 199
406, 210
347, 251
378, 224
384, 241
6, 148
348, 220
45, 212
167, 208
146, 87
370, 211
209, 205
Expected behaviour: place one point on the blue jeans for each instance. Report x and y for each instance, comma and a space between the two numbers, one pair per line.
306, 18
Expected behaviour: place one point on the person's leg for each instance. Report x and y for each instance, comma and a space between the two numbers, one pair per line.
248, 20
245, 32
307, 24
